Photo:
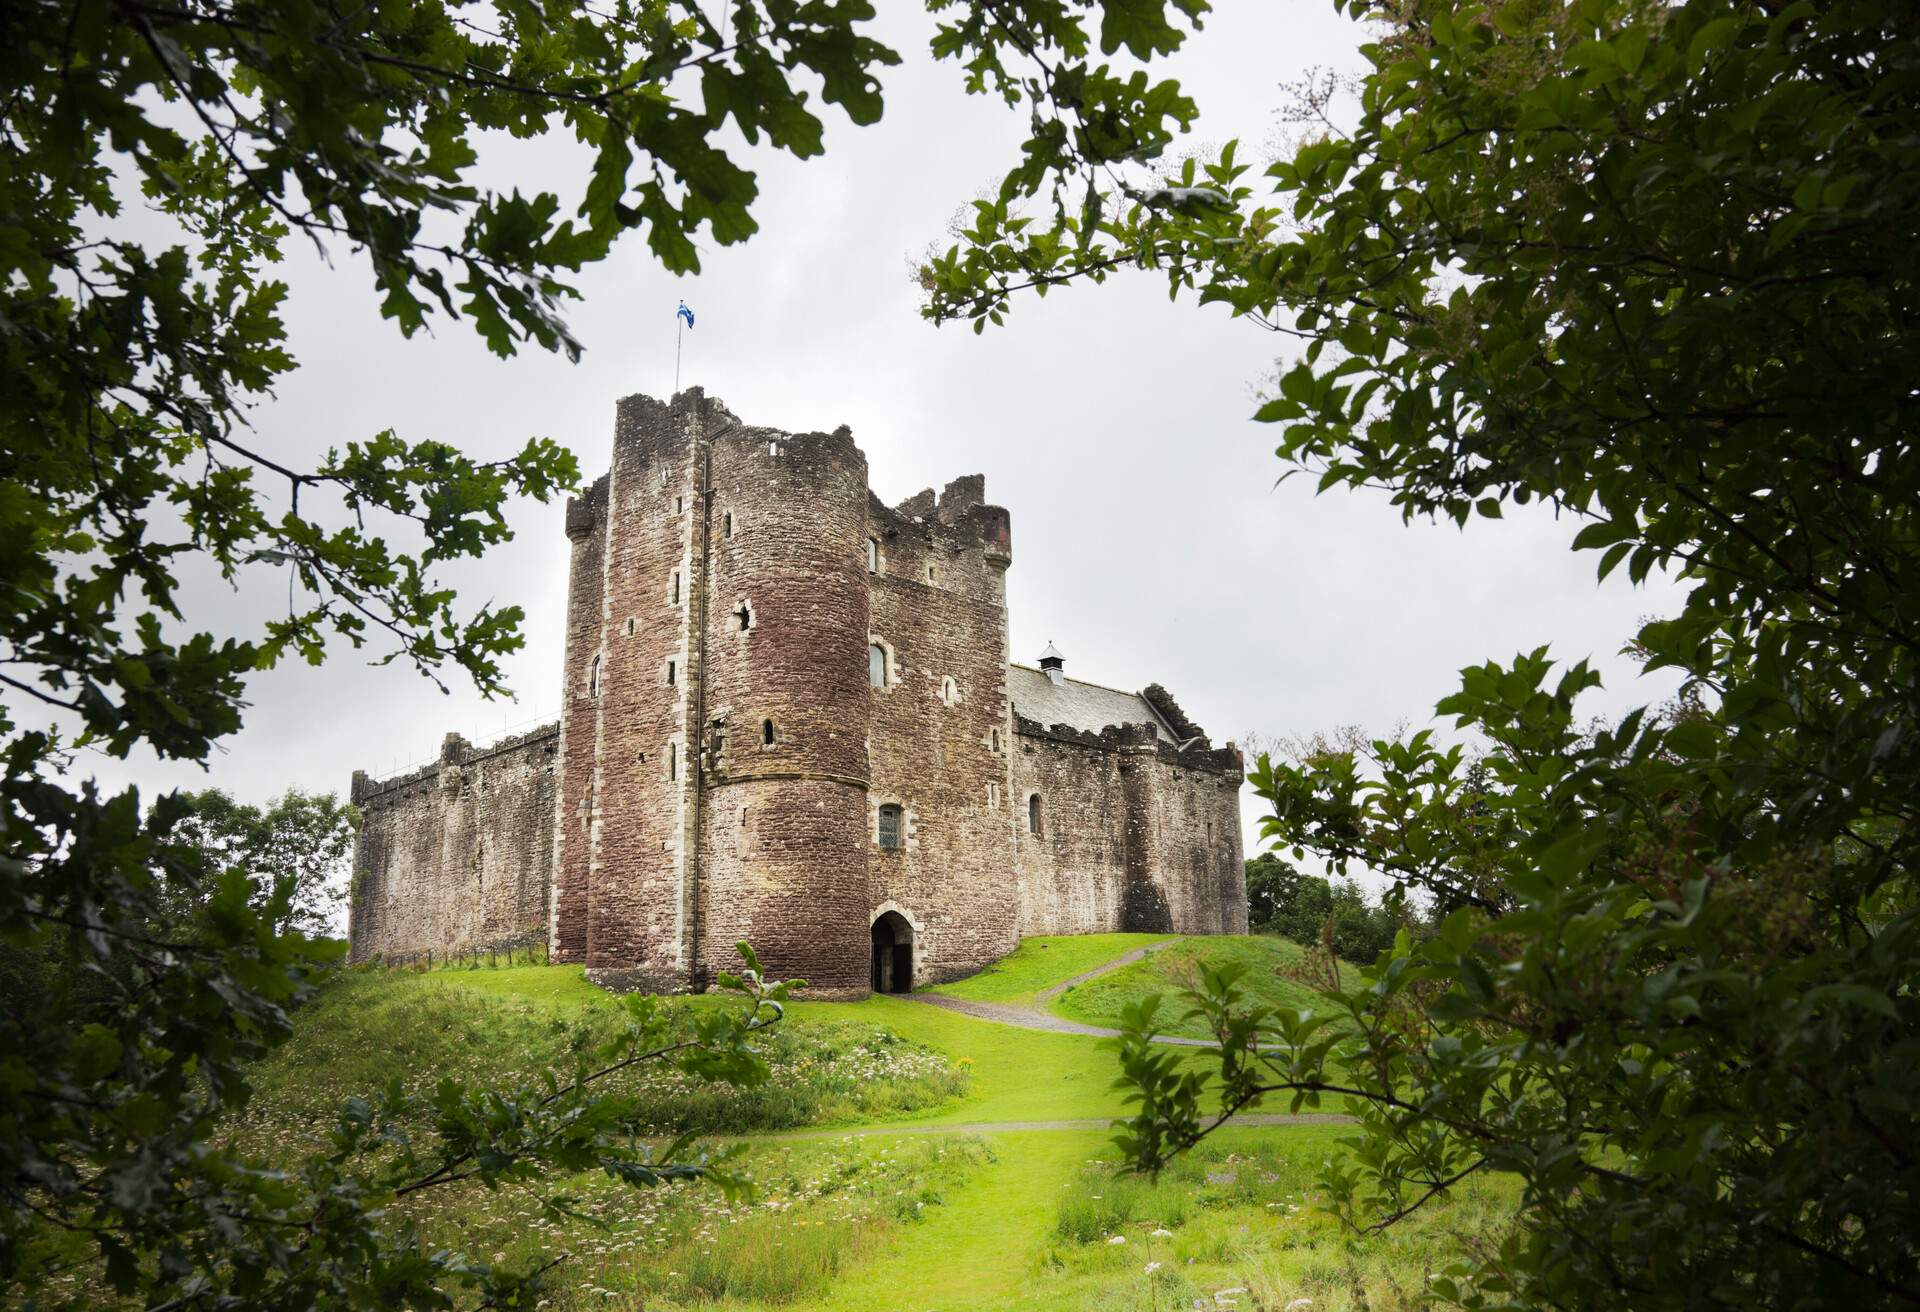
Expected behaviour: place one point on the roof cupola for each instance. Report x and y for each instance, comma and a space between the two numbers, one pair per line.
1053, 664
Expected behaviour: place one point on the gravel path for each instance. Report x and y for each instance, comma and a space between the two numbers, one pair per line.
1005, 1014
1003, 1127
1125, 959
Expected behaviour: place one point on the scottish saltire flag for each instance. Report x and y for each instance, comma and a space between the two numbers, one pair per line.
684, 313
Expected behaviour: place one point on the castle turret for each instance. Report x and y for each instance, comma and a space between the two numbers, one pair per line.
783, 707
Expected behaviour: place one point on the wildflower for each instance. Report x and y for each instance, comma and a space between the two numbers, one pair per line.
1300, 1305
1163, 1234
1152, 1267
1117, 1239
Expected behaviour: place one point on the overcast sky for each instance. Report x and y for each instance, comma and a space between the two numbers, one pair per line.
1150, 543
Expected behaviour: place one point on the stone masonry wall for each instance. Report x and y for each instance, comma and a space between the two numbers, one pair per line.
579, 722
1073, 873
456, 855
1136, 834
785, 657
940, 729
640, 901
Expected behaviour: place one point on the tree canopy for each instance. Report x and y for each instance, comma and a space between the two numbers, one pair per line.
1652, 265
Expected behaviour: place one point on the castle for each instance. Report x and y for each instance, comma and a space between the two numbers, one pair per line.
789, 717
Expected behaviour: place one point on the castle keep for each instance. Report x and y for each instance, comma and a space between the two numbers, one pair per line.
789, 717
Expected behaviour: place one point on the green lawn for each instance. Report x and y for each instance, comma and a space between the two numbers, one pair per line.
1040, 962
1002, 1215
1166, 972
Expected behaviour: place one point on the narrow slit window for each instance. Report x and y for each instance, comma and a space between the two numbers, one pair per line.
1033, 814
773, 448
745, 616
949, 692
929, 573
671, 672
873, 555
876, 665
766, 733
593, 678
673, 593
673, 761
890, 826
995, 740
993, 796
726, 523
679, 505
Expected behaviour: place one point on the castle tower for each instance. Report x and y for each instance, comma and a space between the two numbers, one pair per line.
783, 707
789, 717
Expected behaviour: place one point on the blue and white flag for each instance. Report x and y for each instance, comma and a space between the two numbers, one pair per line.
684, 313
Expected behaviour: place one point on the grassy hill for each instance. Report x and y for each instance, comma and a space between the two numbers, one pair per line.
903, 1155
1042, 962
1167, 971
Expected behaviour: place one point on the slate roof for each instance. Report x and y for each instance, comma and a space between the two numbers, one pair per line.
1088, 707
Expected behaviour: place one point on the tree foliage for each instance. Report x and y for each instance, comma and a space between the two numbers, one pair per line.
1309, 909
300, 843
128, 463
1651, 264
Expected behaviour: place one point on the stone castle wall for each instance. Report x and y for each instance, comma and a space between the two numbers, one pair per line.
720, 762
458, 854
940, 728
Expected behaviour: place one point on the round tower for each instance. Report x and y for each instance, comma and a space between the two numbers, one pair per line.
783, 709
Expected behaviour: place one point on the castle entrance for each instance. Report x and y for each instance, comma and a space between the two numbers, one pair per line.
892, 954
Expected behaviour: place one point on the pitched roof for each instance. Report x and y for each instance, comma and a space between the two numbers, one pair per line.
1088, 707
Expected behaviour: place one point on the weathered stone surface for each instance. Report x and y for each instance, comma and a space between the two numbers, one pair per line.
458, 854
721, 762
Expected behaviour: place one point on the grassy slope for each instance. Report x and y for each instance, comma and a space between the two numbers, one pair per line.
1040, 962
366, 1028
864, 1224
1100, 1001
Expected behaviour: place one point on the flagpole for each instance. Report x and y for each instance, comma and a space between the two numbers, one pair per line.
679, 327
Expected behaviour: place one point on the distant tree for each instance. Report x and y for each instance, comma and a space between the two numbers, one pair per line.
296, 852
1653, 264
1283, 900
133, 349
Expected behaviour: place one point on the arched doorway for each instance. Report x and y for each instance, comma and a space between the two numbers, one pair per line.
892, 954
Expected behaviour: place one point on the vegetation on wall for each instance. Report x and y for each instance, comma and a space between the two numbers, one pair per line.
1652, 265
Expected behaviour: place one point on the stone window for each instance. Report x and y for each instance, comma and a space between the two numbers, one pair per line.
994, 742
630, 626
726, 524
993, 796
891, 823
929, 573
593, 677
673, 589
745, 616
1033, 815
773, 448
949, 692
876, 665
671, 672
873, 555
679, 505
673, 761
766, 733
